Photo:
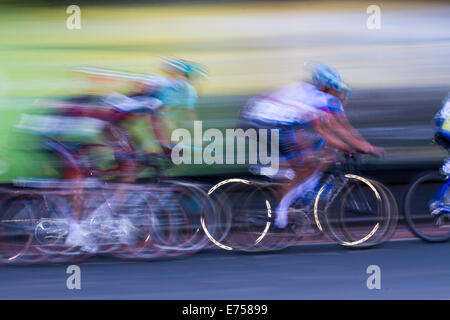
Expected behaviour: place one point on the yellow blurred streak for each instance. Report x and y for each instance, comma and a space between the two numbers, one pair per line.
40, 50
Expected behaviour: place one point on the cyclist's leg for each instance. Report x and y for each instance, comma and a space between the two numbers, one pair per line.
308, 162
71, 171
126, 166
442, 137
161, 131
117, 137
298, 150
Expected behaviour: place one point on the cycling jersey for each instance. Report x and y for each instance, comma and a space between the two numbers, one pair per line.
178, 93
291, 108
305, 95
171, 92
442, 118
293, 105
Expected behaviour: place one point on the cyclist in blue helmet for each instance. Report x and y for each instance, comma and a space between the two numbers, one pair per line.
328, 80
312, 127
178, 95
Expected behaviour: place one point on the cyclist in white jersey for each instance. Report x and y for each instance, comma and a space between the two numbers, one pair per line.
312, 127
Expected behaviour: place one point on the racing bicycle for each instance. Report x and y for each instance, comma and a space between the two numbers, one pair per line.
350, 209
426, 204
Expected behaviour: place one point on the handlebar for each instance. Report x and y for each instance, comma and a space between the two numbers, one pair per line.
356, 156
351, 161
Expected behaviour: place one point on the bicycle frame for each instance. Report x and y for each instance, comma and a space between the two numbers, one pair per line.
337, 179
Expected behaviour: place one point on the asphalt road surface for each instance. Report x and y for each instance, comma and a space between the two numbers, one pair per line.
408, 269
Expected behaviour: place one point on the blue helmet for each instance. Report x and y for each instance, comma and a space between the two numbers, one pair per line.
325, 76
188, 68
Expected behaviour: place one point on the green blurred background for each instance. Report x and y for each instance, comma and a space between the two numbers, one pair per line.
248, 47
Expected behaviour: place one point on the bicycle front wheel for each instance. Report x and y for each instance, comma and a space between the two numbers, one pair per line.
17, 226
418, 207
356, 212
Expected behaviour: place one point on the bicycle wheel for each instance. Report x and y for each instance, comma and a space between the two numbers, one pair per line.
251, 210
166, 219
17, 229
356, 212
387, 229
217, 221
52, 229
418, 207
34, 225
198, 207
386, 222
141, 228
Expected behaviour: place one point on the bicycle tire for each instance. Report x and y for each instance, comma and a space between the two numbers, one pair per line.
437, 179
337, 229
237, 240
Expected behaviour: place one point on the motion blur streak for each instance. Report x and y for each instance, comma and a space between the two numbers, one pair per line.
108, 192
248, 48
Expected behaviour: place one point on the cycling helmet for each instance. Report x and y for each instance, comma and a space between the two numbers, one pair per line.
325, 76
187, 68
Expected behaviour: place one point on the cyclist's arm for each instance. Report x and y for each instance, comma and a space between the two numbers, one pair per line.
343, 120
346, 135
142, 81
160, 130
112, 74
322, 128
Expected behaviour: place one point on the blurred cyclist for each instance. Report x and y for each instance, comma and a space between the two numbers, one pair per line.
178, 94
442, 135
175, 91
165, 101
312, 128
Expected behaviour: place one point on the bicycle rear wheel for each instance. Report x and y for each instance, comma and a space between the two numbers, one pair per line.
218, 221
417, 207
251, 211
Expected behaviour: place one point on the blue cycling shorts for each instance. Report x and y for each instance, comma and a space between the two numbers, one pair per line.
290, 147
